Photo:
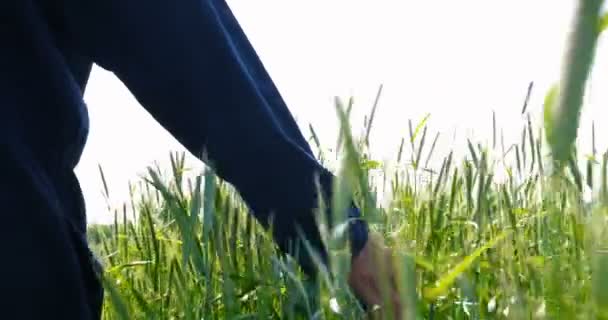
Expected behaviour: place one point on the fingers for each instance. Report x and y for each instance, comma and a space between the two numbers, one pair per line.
389, 272
373, 296
386, 288
374, 280
365, 287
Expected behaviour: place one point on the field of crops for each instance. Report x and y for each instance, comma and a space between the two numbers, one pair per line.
471, 245
513, 231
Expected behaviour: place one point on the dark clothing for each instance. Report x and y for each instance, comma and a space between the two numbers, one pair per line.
190, 65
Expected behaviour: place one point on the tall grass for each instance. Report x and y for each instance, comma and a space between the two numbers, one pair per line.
488, 236
496, 234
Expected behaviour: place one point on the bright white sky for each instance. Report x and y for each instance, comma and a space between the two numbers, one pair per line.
457, 60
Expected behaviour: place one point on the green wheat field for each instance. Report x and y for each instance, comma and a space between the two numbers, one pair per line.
509, 231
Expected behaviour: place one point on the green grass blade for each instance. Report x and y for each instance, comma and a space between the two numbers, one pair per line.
527, 99
372, 115
565, 116
430, 154
603, 24
445, 282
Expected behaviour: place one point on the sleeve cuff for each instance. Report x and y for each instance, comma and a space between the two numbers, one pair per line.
358, 230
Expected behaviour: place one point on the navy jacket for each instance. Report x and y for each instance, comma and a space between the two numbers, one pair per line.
190, 66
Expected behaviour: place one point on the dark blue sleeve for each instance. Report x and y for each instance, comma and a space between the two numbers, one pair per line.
189, 64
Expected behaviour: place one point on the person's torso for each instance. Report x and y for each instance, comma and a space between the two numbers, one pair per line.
42, 80
46, 79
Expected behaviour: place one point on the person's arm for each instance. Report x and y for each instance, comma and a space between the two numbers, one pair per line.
200, 79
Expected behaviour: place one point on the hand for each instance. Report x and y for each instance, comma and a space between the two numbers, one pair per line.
372, 271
